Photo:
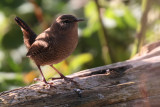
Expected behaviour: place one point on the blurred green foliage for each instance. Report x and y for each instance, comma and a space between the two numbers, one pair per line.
119, 18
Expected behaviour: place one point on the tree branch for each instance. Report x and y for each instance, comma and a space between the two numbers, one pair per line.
143, 24
106, 48
125, 84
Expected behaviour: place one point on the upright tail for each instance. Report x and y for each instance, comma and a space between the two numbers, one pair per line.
28, 35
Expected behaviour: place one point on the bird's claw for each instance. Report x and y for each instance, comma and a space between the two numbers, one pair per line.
56, 78
65, 78
48, 85
68, 79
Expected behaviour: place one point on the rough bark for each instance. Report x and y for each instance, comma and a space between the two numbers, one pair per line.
133, 83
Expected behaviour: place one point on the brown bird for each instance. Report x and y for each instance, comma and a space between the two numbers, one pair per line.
54, 44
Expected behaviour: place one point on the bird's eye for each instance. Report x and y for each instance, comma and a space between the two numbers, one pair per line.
66, 21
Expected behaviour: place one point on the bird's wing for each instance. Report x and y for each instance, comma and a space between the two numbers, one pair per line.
39, 46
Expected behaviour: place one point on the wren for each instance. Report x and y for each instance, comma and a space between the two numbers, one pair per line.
54, 44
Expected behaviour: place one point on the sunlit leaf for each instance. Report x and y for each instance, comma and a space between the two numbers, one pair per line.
79, 60
129, 18
92, 22
29, 77
14, 66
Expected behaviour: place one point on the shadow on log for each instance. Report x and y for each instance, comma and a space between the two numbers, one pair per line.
133, 83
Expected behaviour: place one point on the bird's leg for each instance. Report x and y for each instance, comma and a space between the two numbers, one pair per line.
43, 78
78, 91
62, 76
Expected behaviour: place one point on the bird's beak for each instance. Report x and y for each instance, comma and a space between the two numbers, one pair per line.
78, 20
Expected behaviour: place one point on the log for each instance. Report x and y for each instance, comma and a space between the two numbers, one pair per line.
132, 83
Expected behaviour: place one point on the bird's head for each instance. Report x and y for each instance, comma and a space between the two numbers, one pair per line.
67, 21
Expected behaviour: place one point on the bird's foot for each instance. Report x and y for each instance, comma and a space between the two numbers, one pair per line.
48, 85
56, 78
67, 79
